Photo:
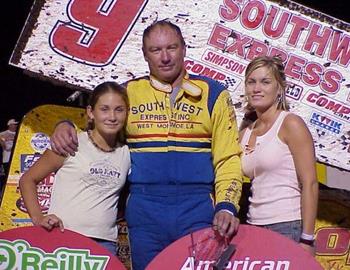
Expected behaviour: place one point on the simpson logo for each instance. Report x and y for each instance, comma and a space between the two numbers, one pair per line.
328, 105
325, 122
20, 255
196, 67
27, 161
223, 61
40, 141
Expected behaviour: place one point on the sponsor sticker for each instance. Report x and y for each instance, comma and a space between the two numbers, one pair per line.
27, 160
326, 122
327, 104
294, 91
199, 68
40, 142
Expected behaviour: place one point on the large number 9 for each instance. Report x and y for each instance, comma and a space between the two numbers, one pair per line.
96, 30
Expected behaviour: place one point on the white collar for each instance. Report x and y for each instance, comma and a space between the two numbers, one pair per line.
188, 86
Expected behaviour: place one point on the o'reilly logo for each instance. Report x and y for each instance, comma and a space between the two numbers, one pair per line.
20, 255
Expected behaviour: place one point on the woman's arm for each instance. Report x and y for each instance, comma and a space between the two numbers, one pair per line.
49, 162
300, 142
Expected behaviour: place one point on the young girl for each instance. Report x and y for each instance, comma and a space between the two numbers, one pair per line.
87, 185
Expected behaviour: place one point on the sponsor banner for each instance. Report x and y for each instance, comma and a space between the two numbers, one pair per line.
256, 248
85, 42
36, 248
82, 43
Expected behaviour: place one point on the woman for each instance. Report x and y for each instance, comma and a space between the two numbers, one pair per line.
278, 157
87, 186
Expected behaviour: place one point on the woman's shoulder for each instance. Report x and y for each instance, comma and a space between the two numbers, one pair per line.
292, 121
293, 126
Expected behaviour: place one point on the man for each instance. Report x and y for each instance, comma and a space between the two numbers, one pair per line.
183, 139
6, 139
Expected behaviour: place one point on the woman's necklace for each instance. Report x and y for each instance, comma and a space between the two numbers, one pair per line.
97, 146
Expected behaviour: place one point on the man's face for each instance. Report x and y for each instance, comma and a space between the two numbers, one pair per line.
165, 53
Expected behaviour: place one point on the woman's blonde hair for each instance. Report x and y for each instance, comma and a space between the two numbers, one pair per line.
275, 65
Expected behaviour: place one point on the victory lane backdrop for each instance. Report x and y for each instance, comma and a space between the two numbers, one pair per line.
323, 108
84, 42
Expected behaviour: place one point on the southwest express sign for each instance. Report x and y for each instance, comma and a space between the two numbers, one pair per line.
85, 42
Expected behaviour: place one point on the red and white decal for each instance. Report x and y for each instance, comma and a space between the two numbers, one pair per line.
96, 30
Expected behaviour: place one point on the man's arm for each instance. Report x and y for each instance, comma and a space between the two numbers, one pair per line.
64, 140
226, 159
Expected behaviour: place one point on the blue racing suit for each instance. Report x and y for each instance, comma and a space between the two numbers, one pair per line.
185, 161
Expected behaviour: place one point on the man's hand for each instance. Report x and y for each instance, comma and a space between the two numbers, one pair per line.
64, 140
49, 222
225, 223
